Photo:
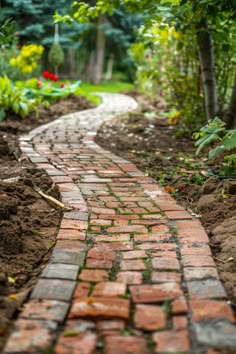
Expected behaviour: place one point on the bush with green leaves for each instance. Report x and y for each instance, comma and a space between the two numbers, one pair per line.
13, 98
56, 55
215, 132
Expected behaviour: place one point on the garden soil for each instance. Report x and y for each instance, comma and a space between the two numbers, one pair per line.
165, 153
28, 224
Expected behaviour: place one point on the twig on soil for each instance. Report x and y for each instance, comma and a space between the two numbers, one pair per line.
48, 197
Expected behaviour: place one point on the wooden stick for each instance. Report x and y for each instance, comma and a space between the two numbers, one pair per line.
48, 197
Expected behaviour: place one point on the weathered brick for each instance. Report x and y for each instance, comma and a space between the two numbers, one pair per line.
130, 277
205, 310
78, 343
165, 263
157, 246
29, 336
178, 215
155, 293
101, 253
93, 275
134, 254
180, 322
125, 344
45, 310
98, 263
70, 234
151, 238
132, 264
198, 261
179, 306
171, 341
125, 229
100, 306
206, 289
149, 317
109, 289
200, 273
53, 289
61, 271
73, 224
81, 291
165, 277
192, 249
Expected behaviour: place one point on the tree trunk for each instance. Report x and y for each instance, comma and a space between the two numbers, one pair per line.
100, 52
231, 113
206, 56
89, 71
110, 67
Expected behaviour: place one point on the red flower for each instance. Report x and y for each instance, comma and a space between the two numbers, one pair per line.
49, 76
19, 46
39, 84
62, 85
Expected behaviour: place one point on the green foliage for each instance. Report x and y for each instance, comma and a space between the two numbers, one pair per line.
107, 86
56, 55
216, 132
14, 99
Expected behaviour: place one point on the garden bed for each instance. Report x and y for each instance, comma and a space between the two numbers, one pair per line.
28, 224
159, 149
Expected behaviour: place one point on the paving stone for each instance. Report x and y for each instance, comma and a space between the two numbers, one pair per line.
69, 234
61, 271
157, 246
53, 289
126, 345
100, 306
206, 289
81, 291
130, 277
110, 325
84, 343
45, 310
197, 261
54, 172
93, 275
109, 289
218, 334
171, 341
165, 277
178, 215
76, 215
66, 256
165, 263
100, 252
205, 310
73, 224
132, 264
179, 306
125, 229
30, 336
149, 317
193, 249
99, 263
134, 254
155, 293
200, 273
180, 322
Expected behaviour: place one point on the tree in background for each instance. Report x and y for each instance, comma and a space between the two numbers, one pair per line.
56, 54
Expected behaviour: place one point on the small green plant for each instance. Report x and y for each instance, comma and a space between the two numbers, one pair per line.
215, 132
15, 99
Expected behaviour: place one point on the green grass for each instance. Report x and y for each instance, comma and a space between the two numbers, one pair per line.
107, 86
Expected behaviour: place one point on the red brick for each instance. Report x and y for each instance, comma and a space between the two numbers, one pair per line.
175, 215
188, 240
170, 207
98, 263
67, 187
191, 249
103, 211
126, 345
73, 224
152, 216
106, 238
78, 343
134, 264
152, 238
81, 291
210, 310
145, 222
197, 261
161, 228
180, 322
70, 244
155, 293
171, 341
134, 254
165, 277
70, 234
149, 317
165, 263
121, 222
127, 229
100, 306
93, 275
101, 253
179, 307
118, 246
45, 310
182, 224
198, 231
29, 336
109, 289
100, 222
157, 246
130, 277
138, 210
169, 254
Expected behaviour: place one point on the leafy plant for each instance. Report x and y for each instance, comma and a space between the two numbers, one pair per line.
15, 99
215, 131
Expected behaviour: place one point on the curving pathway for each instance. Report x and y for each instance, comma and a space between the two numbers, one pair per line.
131, 271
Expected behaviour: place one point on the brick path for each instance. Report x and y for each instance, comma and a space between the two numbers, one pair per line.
131, 271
